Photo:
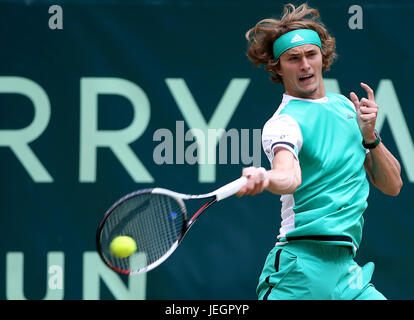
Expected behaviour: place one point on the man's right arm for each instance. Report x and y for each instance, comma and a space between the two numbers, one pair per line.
286, 175
284, 178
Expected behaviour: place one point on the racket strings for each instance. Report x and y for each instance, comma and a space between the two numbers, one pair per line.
154, 221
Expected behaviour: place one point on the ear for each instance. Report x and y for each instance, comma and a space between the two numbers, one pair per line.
278, 69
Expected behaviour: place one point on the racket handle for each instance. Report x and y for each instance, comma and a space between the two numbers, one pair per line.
230, 188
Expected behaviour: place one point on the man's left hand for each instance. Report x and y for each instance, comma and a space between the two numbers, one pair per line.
367, 111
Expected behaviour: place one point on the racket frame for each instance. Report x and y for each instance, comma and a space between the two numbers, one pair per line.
215, 196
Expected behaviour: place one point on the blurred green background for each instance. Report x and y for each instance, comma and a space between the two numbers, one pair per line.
79, 107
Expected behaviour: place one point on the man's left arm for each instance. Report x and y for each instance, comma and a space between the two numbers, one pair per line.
384, 170
382, 167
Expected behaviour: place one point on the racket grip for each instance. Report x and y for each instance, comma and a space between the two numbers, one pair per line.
230, 188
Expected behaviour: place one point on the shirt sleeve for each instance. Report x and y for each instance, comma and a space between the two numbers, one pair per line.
281, 131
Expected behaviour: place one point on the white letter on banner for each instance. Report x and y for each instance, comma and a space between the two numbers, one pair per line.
390, 109
18, 139
95, 271
331, 85
117, 140
219, 120
15, 276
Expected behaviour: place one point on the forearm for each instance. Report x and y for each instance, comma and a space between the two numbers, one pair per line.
284, 178
282, 182
286, 175
385, 170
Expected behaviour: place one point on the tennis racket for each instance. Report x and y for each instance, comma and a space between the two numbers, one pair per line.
157, 220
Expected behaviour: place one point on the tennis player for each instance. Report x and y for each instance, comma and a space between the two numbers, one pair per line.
320, 146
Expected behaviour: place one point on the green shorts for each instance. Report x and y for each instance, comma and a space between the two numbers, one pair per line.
309, 271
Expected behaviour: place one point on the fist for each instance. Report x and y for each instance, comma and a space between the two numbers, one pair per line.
256, 182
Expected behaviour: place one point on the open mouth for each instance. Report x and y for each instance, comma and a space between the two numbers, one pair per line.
306, 77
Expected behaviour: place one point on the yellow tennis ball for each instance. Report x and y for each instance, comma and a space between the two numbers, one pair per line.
122, 246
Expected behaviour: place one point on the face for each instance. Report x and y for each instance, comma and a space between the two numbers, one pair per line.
301, 70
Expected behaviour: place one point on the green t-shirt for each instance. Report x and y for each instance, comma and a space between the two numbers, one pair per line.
324, 136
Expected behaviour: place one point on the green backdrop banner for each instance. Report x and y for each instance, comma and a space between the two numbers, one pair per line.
101, 98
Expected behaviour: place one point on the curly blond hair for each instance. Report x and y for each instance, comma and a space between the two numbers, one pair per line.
262, 36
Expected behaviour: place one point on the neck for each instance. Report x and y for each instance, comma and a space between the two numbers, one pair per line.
317, 94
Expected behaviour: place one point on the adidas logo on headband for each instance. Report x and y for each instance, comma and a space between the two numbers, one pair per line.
296, 38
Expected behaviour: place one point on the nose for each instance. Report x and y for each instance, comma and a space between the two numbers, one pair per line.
305, 64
